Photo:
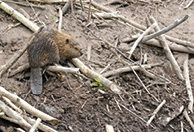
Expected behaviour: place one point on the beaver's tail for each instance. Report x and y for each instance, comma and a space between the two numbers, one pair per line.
36, 80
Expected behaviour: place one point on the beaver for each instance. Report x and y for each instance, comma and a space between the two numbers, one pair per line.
50, 47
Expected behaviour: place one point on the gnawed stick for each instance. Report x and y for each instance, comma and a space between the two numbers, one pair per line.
166, 120
50, 1
55, 68
109, 128
19, 16
140, 38
94, 75
12, 105
154, 42
36, 124
125, 69
187, 81
41, 126
60, 18
100, 6
19, 69
188, 119
14, 98
155, 112
168, 53
15, 116
31, 121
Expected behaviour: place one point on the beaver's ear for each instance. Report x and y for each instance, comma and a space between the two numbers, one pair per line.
67, 41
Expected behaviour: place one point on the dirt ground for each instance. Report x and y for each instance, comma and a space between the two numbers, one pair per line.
72, 100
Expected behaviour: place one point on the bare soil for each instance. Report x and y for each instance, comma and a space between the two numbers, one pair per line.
71, 99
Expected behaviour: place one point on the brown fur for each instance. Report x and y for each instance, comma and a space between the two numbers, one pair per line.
51, 46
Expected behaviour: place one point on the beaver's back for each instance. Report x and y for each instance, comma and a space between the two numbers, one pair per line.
43, 50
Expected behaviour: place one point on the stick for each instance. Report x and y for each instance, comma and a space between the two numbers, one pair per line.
181, 42
155, 112
168, 53
12, 105
41, 126
88, 72
188, 119
63, 69
100, 6
19, 16
89, 13
14, 115
140, 38
134, 114
154, 42
19, 69
50, 1
19, 3
125, 69
36, 124
187, 81
60, 19
27, 106
167, 120
65, 8
109, 128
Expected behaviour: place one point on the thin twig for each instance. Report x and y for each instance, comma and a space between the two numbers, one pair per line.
140, 38
172, 116
155, 112
187, 81
65, 8
35, 126
60, 19
89, 13
135, 114
167, 51
188, 119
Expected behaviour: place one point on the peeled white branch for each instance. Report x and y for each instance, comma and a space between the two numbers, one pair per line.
50, 1
168, 52
187, 81
41, 126
12, 105
186, 115
36, 124
94, 75
15, 116
32, 26
140, 38
59, 68
155, 112
14, 98
125, 69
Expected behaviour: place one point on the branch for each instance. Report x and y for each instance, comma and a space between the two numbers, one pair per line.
14, 98
32, 26
88, 72
168, 53
187, 81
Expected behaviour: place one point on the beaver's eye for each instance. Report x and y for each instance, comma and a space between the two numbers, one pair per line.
67, 41
76, 48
